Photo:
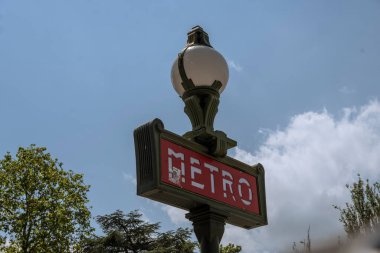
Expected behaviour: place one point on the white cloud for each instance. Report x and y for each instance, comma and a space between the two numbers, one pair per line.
130, 178
346, 90
307, 166
234, 65
144, 217
176, 215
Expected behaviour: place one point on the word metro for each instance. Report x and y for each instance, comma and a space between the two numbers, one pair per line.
199, 174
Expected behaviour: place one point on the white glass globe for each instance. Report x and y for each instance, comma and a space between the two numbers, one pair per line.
203, 65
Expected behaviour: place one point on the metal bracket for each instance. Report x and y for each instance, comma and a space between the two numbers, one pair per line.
201, 106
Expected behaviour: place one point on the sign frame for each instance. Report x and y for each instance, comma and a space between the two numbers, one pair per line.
149, 184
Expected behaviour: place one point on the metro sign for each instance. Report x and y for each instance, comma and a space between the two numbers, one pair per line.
191, 171
179, 172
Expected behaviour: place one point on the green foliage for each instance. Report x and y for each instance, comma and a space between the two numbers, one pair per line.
42, 207
126, 232
363, 214
174, 242
230, 248
129, 233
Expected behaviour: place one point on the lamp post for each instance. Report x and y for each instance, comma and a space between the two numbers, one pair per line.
199, 75
193, 171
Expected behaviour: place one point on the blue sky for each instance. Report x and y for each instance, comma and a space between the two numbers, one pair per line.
79, 76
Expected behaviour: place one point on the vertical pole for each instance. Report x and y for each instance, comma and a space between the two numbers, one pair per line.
208, 227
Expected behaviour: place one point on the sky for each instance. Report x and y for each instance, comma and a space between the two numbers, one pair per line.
302, 99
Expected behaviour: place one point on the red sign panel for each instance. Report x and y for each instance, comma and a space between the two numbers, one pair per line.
197, 173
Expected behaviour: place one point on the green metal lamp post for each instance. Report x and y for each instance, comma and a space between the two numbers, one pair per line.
193, 171
199, 75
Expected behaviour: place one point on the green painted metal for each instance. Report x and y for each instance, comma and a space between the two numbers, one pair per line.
201, 106
208, 226
197, 36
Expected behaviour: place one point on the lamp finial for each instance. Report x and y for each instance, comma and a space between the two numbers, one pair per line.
197, 36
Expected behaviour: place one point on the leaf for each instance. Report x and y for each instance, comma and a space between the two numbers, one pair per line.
42, 207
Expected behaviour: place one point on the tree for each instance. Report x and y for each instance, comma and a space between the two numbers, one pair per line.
174, 242
42, 206
129, 233
230, 248
363, 214
126, 233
